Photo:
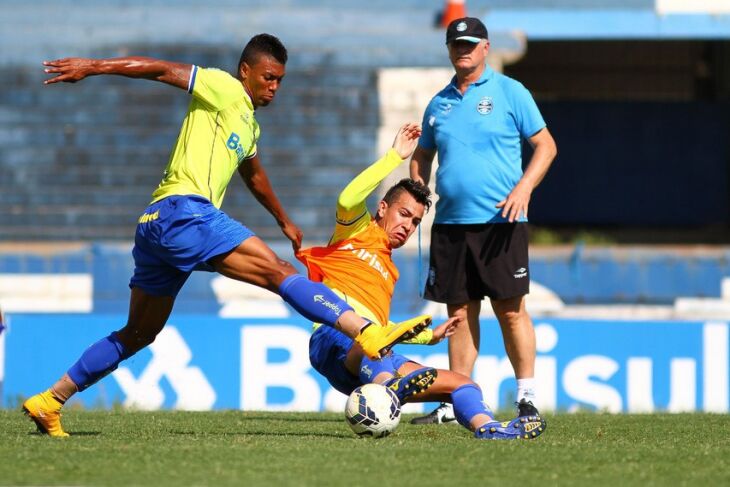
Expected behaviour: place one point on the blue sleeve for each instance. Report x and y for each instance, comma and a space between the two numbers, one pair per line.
427, 140
527, 115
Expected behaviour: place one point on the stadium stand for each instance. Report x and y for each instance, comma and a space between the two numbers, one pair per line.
77, 163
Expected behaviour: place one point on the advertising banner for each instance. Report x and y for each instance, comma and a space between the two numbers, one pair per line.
203, 362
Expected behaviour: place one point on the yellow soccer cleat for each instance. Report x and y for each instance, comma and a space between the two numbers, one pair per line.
377, 340
45, 411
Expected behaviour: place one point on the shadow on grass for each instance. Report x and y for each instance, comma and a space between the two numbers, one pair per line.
261, 433
296, 419
72, 433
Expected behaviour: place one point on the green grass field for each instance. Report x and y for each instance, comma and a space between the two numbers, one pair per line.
252, 449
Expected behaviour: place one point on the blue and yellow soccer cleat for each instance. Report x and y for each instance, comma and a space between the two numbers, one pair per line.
525, 408
412, 384
377, 340
45, 411
521, 428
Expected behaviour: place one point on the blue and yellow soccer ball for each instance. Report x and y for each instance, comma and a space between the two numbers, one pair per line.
373, 410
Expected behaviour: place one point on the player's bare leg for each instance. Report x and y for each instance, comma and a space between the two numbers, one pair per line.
147, 316
440, 391
405, 386
463, 352
255, 263
469, 407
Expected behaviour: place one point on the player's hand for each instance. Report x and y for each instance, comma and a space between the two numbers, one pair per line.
445, 330
406, 139
516, 203
294, 234
69, 70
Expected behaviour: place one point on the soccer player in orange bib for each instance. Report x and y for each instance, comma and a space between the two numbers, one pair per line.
357, 265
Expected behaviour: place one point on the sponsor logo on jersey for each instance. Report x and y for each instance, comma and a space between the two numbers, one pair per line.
148, 217
233, 144
371, 259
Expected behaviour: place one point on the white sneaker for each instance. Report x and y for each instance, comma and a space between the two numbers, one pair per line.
444, 413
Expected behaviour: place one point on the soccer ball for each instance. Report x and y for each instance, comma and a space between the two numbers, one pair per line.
373, 410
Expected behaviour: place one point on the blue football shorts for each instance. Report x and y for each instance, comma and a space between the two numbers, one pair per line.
327, 351
177, 235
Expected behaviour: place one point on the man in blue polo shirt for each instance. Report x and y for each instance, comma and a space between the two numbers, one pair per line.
479, 238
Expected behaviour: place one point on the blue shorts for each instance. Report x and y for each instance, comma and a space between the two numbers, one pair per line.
327, 351
177, 235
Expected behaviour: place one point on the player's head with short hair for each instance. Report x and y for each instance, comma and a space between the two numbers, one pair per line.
261, 68
263, 44
401, 210
420, 192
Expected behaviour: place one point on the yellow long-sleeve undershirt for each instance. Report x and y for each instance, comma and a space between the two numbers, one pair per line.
352, 215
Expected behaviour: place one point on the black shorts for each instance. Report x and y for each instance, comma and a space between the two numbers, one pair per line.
469, 262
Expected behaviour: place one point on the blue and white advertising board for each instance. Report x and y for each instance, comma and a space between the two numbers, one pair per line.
203, 362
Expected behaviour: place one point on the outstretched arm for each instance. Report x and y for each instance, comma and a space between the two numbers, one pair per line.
352, 199
255, 177
432, 336
71, 70
352, 212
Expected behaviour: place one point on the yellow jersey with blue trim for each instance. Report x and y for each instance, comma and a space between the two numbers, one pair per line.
218, 134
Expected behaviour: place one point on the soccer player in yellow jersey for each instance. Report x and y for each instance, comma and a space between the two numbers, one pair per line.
357, 265
183, 228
